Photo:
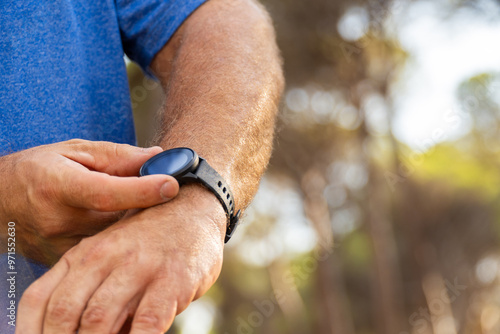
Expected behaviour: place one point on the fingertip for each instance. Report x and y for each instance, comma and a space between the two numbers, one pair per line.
153, 150
169, 189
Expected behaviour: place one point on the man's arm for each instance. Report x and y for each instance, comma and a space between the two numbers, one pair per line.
222, 77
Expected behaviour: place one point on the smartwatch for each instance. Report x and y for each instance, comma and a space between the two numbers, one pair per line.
187, 167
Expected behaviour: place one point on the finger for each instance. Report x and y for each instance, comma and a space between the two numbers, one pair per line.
69, 298
157, 309
110, 158
110, 303
102, 192
35, 299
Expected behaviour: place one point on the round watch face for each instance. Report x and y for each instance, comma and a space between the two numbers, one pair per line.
175, 162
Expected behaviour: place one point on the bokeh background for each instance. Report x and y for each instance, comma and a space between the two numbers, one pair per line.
380, 210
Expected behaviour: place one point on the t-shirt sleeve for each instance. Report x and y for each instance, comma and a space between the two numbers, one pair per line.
147, 25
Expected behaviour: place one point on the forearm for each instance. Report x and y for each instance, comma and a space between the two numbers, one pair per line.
222, 78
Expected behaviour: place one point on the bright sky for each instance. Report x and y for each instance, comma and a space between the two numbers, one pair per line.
443, 53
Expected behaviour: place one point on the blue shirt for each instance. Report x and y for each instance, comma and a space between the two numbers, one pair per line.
63, 76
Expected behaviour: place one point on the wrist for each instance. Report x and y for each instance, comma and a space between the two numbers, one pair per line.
207, 203
187, 167
197, 205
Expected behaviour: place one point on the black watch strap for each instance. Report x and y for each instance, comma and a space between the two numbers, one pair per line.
212, 180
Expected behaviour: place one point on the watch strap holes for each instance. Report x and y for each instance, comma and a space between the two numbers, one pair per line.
219, 184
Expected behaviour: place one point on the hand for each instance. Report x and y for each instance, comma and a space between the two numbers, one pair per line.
149, 266
59, 193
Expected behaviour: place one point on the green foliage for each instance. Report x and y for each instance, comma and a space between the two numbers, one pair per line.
460, 169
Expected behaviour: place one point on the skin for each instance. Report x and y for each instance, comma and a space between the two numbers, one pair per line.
222, 77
